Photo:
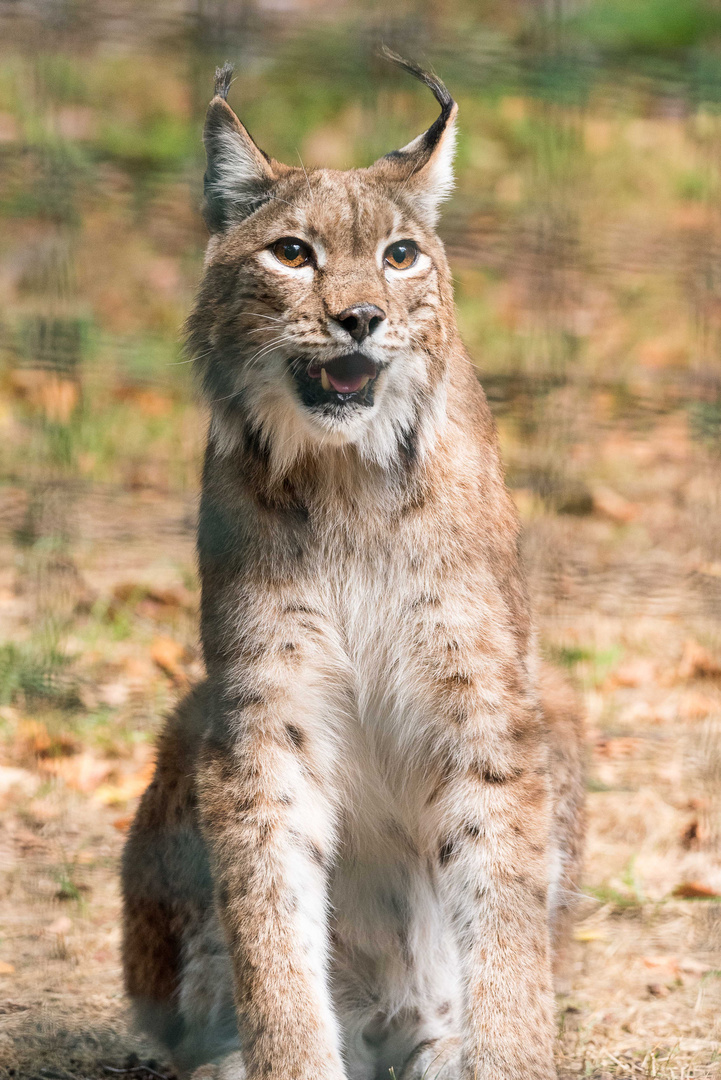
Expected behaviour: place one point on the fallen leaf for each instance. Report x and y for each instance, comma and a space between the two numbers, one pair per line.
690, 215
633, 673
17, 781
43, 810
149, 476
147, 400
122, 824
6, 969
33, 739
712, 569
621, 746
588, 935
697, 706
47, 392
82, 773
139, 671
669, 964
694, 1046
694, 835
645, 712
610, 504
694, 967
9, 130
30, 842
697, 663
695, 890
70, 890
61, 926
663, 352
127, 787
114, 694
526, 501
167, 654
176, 596
76, 122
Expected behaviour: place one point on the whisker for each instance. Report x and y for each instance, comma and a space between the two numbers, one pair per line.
199, 356
278, 199
263, 350
300, 159
238, 198
227, 397
266, 347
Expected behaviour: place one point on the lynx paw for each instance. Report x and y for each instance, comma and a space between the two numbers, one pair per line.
435, 1059
230, 1068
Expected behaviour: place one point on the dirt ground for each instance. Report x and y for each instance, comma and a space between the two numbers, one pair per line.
585, 241
627, 602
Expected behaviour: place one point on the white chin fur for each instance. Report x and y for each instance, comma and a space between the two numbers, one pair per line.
291, 429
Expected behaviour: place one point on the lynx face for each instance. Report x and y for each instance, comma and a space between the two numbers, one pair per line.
326, 306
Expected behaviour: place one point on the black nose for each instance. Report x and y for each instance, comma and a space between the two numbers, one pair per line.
360, 320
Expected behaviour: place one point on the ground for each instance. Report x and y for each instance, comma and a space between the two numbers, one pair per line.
624, 602
584, 238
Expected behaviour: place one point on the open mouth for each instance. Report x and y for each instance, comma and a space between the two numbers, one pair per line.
343, 380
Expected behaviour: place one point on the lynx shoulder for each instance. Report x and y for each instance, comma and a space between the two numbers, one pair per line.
361, 846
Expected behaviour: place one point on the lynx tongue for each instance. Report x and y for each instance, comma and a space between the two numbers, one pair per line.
347, 374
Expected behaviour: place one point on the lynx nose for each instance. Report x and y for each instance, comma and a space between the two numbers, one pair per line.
360, 320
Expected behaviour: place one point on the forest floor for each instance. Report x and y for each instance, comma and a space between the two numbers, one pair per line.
625, 603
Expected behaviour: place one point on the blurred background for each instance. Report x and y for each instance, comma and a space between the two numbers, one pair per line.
585, 242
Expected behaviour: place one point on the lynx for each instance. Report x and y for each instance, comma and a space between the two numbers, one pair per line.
361, 846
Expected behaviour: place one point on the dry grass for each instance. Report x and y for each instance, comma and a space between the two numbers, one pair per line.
626, 613
584, 237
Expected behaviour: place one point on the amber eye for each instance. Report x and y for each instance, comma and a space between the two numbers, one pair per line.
291, 252
401, 255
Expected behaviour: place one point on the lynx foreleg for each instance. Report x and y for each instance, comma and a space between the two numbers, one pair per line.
493, 871
268, 821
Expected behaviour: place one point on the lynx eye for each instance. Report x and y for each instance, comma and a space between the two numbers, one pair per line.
402, 255
291, 252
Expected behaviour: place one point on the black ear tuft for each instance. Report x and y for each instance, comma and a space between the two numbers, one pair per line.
436, 85
223, 79
238, 175
437, 88
422, 171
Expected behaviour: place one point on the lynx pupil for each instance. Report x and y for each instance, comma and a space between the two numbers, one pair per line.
401, 255
291, 252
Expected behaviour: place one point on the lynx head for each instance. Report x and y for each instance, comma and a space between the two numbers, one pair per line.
326, 308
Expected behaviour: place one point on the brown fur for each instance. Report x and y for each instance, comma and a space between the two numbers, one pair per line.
371, 736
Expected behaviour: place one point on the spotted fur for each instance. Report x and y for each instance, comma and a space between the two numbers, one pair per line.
364, 828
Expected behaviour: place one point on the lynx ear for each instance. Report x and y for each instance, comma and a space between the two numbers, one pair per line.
423, 169
238, 175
